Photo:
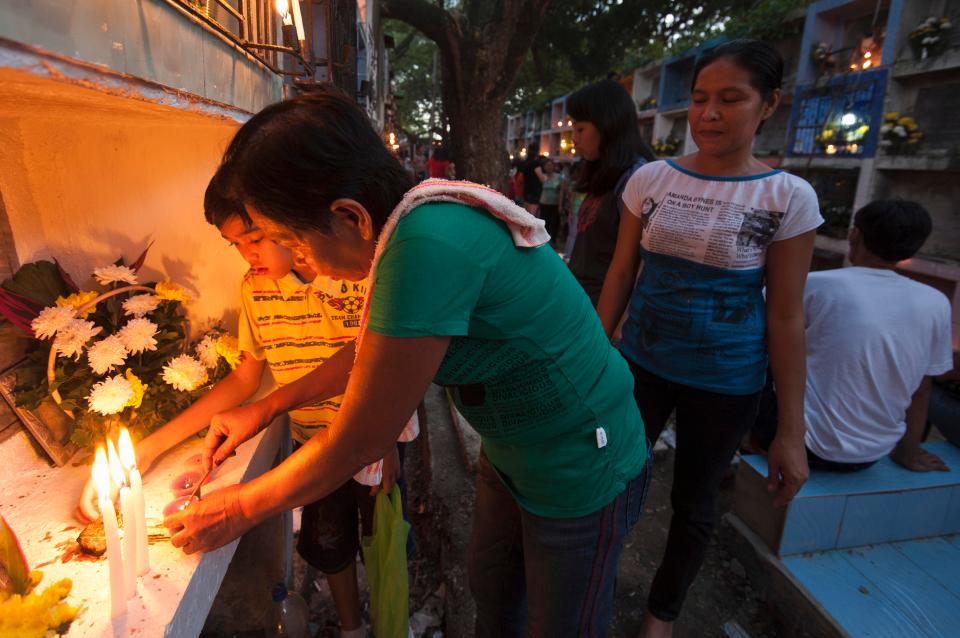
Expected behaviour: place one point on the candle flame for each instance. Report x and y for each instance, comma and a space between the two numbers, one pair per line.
283, 7
113, 460
125, 447
101, 476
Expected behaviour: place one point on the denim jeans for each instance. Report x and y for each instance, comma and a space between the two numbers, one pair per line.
546, 577
709, 429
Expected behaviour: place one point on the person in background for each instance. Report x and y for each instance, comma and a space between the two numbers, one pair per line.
874, 340
438, 163
607, 138
420, 164
711, 229
515, 183
550, 181
572, 201
532, 184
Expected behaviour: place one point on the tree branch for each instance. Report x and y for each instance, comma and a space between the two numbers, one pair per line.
427, 18
401, 49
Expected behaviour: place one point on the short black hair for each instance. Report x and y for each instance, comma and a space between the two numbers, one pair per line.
220, 201
758, 58
893, 229
294, 158
609, 107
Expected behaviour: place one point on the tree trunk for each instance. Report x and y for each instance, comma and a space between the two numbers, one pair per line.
482, 47
476, 137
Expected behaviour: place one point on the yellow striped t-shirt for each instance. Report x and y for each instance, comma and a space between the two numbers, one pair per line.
296, 327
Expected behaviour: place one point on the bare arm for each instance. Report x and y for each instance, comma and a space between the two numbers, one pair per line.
618, 284
787, 264
235, 388
232, 390
232, 427
388, 381
908, 452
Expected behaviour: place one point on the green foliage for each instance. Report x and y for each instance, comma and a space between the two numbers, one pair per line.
583, 41
419, 106
40, 281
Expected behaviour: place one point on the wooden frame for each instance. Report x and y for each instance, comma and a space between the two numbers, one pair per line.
48, 424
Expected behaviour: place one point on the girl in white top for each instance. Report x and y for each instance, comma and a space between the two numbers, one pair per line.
712, 229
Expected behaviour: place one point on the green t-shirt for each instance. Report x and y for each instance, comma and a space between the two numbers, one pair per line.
529, 365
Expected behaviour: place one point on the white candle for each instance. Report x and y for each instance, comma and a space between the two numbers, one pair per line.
101, 477
129, 459
129, 521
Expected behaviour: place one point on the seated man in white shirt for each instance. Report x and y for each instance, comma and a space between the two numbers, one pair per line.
874, 339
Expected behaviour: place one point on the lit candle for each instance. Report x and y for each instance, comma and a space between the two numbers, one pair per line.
129, 521
129, 459
118, 590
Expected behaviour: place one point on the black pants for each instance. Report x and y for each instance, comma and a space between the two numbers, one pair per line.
709, 429
764, 430
550, 213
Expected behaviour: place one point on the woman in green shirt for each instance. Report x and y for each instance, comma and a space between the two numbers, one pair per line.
454, 300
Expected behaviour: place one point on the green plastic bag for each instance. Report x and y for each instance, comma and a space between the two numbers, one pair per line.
385, 559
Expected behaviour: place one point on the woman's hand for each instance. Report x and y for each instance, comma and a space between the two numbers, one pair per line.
209, 523
787, 468
229, 429
389, 474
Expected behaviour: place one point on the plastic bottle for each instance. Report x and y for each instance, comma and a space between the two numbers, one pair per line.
289, 615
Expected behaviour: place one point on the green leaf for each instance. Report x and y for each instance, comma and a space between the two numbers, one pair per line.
14, 572
40, 281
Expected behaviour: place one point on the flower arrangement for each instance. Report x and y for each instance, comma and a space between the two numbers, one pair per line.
119, 353
649, 103
929, 37
844, 134
900, 134
666, 147
822, 56
24, 611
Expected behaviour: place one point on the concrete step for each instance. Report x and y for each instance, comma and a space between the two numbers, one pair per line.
834, 510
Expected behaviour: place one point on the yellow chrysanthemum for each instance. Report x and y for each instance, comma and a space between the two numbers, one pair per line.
170, 291
892, 116
229, 348
77, 300
34, 615
139, 387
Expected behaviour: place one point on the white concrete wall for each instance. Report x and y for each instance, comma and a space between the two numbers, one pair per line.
87, 176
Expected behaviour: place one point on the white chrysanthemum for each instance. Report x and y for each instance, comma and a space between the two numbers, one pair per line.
185, 373
51, 319
207, 351
106, 354
110, 396
140, 305
72, 337
111, 274
137, 335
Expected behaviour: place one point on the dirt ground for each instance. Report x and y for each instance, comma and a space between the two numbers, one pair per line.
721, 596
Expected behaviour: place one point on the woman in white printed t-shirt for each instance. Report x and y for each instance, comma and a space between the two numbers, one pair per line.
712, 229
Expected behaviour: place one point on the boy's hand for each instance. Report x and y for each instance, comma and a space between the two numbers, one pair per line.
917, 459
231, 428
88, 509
389, 474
